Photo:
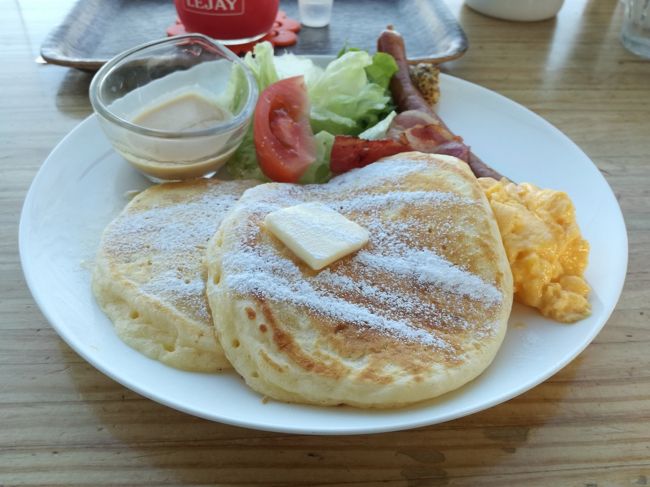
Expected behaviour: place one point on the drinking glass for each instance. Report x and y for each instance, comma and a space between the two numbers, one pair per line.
635, 33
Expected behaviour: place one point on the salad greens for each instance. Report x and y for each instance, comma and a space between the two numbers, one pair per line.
343, 99
382, 68
347, 97
379, 130
260, 62
319, 170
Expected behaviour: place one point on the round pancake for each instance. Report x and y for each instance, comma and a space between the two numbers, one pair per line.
149, 276
419, 311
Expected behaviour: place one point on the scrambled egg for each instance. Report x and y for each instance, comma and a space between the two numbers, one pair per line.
546, 251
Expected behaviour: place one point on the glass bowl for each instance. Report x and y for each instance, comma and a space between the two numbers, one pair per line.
176, 108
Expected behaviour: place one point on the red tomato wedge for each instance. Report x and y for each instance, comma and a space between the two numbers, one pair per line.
284, 141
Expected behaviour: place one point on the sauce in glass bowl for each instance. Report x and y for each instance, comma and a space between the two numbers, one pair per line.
167, 109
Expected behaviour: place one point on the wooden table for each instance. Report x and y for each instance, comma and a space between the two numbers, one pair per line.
64, 423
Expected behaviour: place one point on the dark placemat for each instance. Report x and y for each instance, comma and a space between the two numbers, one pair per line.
96, 30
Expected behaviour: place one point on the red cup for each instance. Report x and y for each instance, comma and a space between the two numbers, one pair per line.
228, 21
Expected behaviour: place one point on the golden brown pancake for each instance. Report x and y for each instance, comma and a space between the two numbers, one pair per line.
419, 311
149, 276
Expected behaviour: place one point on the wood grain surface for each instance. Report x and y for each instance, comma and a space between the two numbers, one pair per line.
64, 423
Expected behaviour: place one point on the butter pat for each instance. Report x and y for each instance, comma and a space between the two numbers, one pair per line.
317, 234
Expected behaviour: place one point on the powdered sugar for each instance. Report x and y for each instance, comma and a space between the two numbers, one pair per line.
398, 303
394, 198
186, 293
170, 228
164, 234
378, 173
267, 275
384, 286
425, 267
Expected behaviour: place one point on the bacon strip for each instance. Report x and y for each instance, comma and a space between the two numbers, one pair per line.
424, 133
410, 131
351, 152
416, 118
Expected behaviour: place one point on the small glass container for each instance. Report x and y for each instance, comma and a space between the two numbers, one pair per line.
315, 13
635, 33
176, 108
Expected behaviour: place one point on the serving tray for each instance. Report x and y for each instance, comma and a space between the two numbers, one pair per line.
96, 30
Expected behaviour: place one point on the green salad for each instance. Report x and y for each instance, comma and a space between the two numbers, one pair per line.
349, 96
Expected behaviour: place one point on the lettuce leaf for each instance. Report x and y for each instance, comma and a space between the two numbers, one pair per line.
243, 163
289, 65
235, 94
382, 69
319, 171
343, 100
379, 130
261, 63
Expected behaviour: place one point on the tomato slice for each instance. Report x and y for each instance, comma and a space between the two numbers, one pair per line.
284, 141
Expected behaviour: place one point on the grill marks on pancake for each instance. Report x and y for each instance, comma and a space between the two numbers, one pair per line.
401, 285
433, 302
371, 202
428, 268
399, 302
285, 342
159, 244
268, 276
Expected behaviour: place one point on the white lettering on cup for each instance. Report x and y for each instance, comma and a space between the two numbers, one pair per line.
216, 7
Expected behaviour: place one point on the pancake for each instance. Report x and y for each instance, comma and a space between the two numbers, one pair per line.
419, 311
149, 276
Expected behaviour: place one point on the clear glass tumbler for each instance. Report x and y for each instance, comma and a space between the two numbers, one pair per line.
635, 33
315, 13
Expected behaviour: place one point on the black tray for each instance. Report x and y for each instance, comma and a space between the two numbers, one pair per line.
96, 30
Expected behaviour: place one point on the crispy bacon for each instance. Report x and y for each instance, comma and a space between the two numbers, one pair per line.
351, 152
424, 133
422, 126
428, 138
410, 118
410, 131
456, 149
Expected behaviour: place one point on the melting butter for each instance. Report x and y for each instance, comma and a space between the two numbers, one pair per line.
315, 233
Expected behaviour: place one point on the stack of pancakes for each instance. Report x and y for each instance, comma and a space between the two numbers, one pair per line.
190, 277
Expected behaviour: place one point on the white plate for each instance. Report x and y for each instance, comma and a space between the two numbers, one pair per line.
82, 185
